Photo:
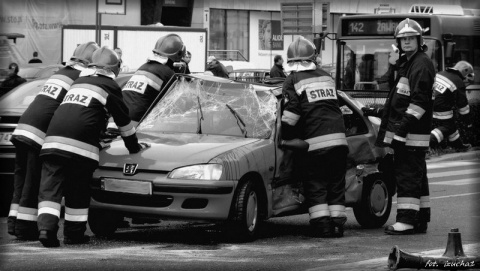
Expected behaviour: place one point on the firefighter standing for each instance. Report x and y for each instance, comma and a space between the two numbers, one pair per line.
28, 138
147, 82
71, 148
312, 110
405, 127
450, 92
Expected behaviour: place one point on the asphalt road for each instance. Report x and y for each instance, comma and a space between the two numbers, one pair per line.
283, 245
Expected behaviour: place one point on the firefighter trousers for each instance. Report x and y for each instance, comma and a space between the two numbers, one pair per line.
445, 129
324, 184
68, 178
29, 164
25, 189
413, 196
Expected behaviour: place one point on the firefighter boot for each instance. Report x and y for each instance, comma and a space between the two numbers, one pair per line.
48, 239
11, 224
323, 227
459, 146
338, 223
400, 228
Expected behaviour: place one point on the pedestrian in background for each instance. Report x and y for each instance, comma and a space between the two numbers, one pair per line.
217, 68
277, 68
71, 149
316, 117
12, 81
450, 92
405, 127
35, 58
28, 139
147, 82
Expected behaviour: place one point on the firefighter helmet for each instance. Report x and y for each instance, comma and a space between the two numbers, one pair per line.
106, 59
466, 69
170, 46
408, 28
301, 49
83, 53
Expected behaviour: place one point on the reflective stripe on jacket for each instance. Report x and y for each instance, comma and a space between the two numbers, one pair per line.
449, 92
144, 86
407, 114
75, 128
312, 108
34, 122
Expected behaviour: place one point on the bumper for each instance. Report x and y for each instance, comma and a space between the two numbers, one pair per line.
176, 199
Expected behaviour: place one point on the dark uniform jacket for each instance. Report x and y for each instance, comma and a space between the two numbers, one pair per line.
144, 86
277, 71
218, 69
407, 114
311, 103
34, 122
75, 128
449, 92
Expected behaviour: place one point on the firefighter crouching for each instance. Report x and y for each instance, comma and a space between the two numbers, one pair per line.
71, 148
405, 127
312, 110
450, 92
147, 82
28, 138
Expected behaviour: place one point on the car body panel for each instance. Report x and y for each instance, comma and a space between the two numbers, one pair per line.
169, 151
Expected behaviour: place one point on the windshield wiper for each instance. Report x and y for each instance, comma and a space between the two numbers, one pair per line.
243, 127
199, 117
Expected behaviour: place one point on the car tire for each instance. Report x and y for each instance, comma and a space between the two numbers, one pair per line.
244, 222
374, 208
103, 223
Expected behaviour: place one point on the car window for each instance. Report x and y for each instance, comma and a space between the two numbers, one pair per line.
195, 105
354, 122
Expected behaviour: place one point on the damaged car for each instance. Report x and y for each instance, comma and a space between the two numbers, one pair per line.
214, 157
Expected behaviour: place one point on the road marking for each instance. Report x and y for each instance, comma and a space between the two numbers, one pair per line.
452, 173
450, 196
382, 263
458, 182
450, 164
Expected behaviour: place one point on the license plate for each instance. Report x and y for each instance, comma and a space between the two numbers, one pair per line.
126, 186
5, 138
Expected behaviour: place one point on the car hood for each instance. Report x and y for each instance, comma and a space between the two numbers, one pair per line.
170, 151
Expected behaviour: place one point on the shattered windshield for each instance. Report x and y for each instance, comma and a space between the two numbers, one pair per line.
196, 105
368, 64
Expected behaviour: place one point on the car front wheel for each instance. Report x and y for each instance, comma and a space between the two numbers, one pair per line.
374, 208
244, 216
103, 223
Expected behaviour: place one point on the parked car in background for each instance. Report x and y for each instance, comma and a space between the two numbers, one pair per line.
12, 106
34, 71
214, 156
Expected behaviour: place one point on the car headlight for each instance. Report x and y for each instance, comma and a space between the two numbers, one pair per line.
211, 172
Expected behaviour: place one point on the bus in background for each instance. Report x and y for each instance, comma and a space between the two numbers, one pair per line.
366, 48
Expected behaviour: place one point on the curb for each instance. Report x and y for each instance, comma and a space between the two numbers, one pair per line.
470, 155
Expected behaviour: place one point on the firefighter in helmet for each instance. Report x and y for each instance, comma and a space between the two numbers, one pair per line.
450, 92
405, 127
312, 112
28, 138
147, 82
71, 149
